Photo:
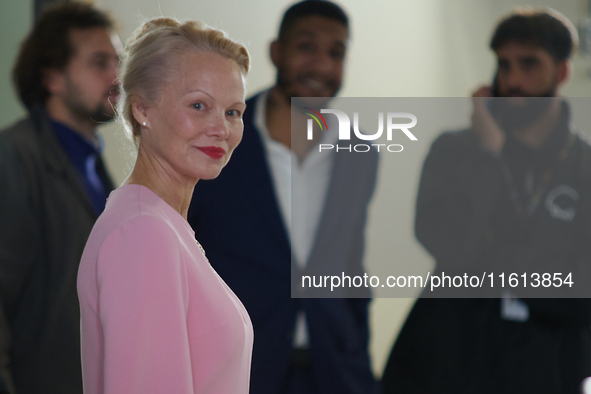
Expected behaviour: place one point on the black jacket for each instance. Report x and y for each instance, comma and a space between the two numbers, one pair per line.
45, 219
237, 219
466, 220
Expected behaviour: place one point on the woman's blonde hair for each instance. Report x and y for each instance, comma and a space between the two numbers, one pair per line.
153, 50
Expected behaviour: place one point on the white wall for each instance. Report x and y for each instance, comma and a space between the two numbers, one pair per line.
15, 20
417, 48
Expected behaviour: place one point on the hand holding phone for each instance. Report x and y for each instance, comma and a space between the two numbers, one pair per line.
484, 124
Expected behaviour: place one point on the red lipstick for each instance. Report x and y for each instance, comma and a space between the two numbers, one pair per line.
213, 151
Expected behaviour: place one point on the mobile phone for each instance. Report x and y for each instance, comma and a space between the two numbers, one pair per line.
495, 86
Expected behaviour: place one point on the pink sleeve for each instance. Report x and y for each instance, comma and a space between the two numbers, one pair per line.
143, 310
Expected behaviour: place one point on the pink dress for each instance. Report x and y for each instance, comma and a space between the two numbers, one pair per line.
156, 317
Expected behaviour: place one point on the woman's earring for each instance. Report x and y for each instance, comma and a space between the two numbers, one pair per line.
144, 123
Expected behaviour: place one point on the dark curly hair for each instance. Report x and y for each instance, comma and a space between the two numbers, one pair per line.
545, 28
48, 47
308, 8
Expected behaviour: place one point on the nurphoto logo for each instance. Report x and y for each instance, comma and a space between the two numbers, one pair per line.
393, 124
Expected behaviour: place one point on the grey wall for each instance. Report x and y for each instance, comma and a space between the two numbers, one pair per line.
15, 18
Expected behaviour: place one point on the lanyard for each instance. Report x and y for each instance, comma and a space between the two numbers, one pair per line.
534, 201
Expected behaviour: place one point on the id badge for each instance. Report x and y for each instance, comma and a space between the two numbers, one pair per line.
514, 309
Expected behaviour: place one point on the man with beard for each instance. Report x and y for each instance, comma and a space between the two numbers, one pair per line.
54, 186
512, 194
251, 227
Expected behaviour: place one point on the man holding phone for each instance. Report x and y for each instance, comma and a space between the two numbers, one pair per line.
511, 193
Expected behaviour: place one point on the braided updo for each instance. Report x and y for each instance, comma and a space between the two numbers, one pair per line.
154, 49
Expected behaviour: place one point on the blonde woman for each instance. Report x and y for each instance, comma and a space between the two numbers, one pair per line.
156, 318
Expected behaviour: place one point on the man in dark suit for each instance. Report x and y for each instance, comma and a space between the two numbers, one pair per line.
510, 195
251, 227
53, 187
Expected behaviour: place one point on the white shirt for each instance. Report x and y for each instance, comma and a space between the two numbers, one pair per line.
300, 188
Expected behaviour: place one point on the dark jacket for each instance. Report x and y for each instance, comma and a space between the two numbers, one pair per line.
45, 219
465, 219
237, 219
